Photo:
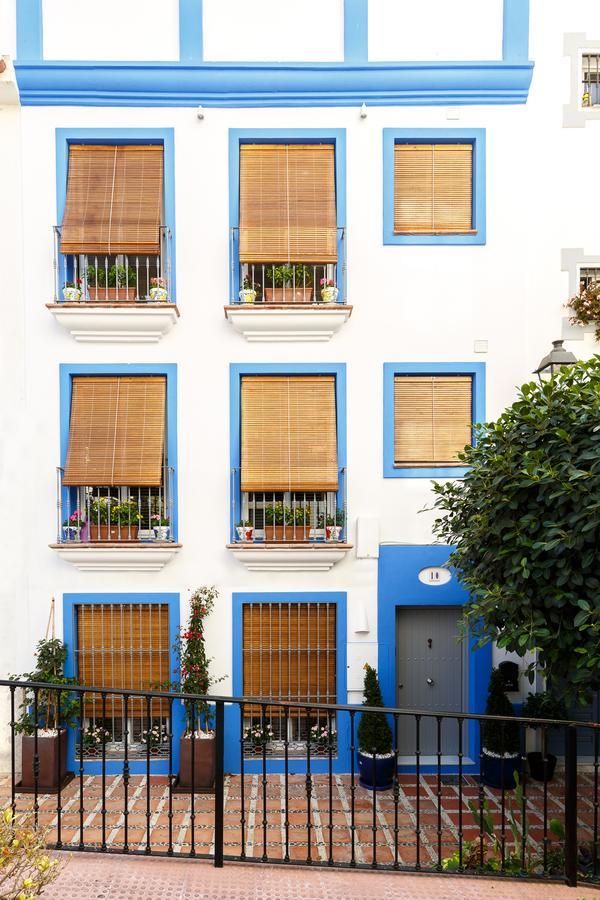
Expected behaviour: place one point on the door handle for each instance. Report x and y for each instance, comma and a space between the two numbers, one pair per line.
430, 682
400, 686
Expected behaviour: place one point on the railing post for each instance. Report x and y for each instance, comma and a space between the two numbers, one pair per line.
571, 805
219, 782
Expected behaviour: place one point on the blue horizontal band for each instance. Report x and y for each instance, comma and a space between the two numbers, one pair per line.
254, 85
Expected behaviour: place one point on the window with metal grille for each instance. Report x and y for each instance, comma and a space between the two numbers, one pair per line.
123, 645
289, 654
588, 275
433, 416
590, 79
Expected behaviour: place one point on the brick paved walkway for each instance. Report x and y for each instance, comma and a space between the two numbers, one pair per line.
330, 834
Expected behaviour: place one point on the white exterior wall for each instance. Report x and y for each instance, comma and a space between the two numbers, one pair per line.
411, 303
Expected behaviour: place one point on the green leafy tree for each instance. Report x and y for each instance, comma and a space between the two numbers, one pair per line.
526, 523
374, 733
51, 655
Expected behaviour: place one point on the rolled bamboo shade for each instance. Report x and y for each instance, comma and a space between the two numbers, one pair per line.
114, 199
288, 433
432, 419
117, 431
433, 188
287, 203
289, 652
123, 646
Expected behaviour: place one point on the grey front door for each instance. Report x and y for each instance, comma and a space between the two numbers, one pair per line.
430, 676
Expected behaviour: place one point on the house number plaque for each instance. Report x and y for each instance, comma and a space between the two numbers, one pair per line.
434, 575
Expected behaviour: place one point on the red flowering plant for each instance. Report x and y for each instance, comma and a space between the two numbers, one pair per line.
585, 306
327, 282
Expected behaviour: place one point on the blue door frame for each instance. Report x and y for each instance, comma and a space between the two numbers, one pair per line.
398, 586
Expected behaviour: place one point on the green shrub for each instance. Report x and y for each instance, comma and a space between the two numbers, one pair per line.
374, 732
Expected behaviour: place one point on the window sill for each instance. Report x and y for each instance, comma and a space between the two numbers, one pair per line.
300, 322
118, 557
119, 322
308, 557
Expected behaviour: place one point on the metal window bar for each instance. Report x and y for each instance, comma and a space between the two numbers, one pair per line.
590, 79
113, 278
589, 275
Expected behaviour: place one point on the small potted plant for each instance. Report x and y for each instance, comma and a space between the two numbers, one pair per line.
52, 720
158, 290
500, 743
124, 520
280, 521
248, 292
289, 284
376, 760
543, 706
154, 738
334, 525
258, 736
322, 738
94, 738
72, 291
112, 284
161, 525
585, 306
244, 531
72, 526
329, 292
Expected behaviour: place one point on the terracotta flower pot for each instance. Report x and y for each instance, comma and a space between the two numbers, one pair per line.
109, 295
204, 763
111, 533
289, 295
276, 533
50, 773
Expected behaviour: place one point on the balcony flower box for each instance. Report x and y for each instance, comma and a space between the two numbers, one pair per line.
289, 295
113, 532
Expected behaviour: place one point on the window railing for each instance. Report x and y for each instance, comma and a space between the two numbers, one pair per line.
590, 79
113, 278
274, 517
288, 284
109, 514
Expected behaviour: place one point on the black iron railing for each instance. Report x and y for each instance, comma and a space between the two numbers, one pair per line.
438, 814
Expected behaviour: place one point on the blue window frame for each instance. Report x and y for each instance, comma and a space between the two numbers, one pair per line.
335, 136
115, 767
161, 136
236, 372
169, 370
390, 370
233, 724
476, 137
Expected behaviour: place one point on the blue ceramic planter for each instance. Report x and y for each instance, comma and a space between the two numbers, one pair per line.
376, 774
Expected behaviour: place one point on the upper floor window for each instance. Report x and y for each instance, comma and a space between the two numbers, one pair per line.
112, 243
433, 416
590, 80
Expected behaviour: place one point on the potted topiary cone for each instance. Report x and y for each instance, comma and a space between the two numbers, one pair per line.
376, 760
500, 743
197, 744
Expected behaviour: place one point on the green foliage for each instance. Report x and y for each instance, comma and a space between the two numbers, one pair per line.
545, 705
499, 737
298, 275
25, 867
276, 513
526, 523
374, 733
51, 655
104, 508
117, 276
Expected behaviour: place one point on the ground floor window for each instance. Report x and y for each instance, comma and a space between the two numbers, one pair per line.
289, 654
123, 645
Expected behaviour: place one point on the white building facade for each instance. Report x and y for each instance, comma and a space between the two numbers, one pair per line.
196, 92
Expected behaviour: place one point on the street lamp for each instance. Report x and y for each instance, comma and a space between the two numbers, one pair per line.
554, 361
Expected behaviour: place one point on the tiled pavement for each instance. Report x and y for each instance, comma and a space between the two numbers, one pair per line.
330, 834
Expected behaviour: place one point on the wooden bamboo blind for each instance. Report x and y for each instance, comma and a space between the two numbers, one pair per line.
287, 203
117, 431
114, 199
289, 652
433, 188
432, 419
122, 645
288, 433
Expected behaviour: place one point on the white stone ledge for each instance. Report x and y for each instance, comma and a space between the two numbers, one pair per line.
117, 557
268, 323
134, 323
289, 558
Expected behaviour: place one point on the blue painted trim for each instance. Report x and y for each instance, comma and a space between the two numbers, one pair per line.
341, 763
476, 370
474, 136
227, 85
515, 32
237, 136
164, 136
30, 36
399, 585
115, 767
236, 371
169, 370
191, 43
356, 31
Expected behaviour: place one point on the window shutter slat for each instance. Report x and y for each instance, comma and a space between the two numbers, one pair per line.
432, 419
114, 199
117, 431
288, 433
287, 203
433, 188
